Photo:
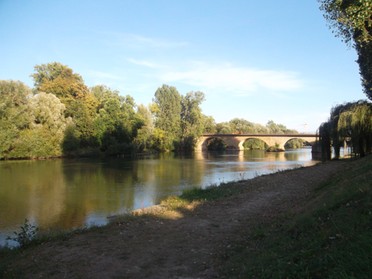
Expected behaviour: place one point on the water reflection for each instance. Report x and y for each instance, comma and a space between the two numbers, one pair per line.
68, 194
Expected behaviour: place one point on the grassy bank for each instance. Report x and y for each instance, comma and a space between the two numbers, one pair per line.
331, 236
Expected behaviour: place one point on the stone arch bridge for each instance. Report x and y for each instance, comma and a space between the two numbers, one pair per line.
236, 141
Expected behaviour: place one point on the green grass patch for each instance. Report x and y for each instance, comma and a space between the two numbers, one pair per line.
209, 194
331, 238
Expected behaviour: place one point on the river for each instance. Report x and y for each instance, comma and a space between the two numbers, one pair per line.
74, 193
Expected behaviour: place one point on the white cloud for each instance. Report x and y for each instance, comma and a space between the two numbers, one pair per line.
146, 63
238, 80
153, 42
103, 75
108, 79
140, 41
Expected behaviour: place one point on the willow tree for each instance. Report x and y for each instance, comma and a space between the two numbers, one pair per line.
356, 123
334, 130
352, 21
325, 140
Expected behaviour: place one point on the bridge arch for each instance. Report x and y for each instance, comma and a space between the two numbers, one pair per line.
299, 138
208, 141
241, 144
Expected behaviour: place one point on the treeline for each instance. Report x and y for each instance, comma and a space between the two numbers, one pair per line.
349, 125
61, 116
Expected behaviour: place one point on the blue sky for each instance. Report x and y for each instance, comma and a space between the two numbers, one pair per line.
257, 60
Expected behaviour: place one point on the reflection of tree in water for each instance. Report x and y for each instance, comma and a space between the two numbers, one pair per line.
37, 190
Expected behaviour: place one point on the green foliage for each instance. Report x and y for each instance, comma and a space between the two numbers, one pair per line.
180, 117
356, 122
25, 235
255, 144
350, 122
364, 51
274, 148
210, 193
209, 125
216, 144
14, 114
144, 140
242, 126
352, 20
294, 144
278, 128
61, 81
191, 119
167, 111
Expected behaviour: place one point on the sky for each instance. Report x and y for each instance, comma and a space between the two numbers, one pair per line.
255, 60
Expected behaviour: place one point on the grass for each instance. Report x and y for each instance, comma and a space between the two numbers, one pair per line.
330, 238
210, 193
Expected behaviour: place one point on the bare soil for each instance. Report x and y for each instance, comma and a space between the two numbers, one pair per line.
187, 243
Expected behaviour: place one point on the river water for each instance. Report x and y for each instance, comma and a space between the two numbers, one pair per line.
76, 193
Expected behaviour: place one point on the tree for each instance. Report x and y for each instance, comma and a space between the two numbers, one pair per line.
352, 21
241, 126
278, 128
61, 81
191, 119
167, 111
224, 128
45, 135
355, 122
348, 122
209, 125
116, 122
14, 114
144, 138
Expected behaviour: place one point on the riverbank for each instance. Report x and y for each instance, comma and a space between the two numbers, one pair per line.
230, 232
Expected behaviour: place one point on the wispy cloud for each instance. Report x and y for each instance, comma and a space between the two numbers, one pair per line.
145, 63
140, 41
238, 80
109, 79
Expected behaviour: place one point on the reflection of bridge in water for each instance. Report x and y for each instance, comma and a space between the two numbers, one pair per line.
236, 141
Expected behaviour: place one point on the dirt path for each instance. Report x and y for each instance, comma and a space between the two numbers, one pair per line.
187, 244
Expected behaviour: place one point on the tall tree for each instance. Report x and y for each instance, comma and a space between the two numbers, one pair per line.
167, 110
352, 21
116, 122
14, 114
192, 125
210, 126
61, 81
144, 138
